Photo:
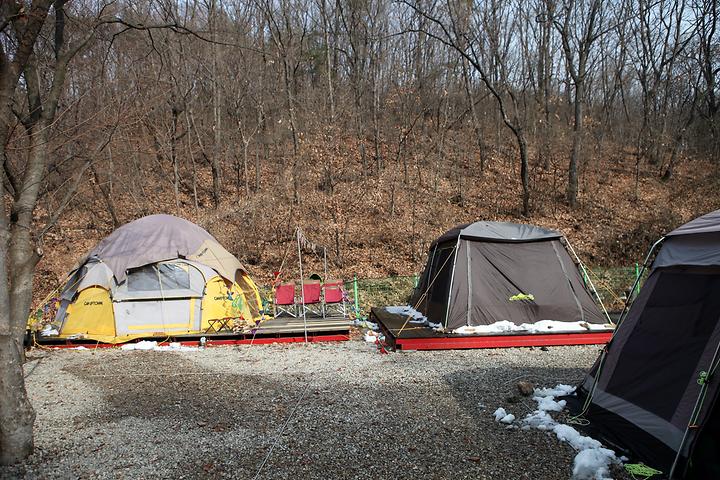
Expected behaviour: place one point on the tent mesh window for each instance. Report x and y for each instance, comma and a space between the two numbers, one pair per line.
440, 278
663, 352
143, 279
166, 276
174, 277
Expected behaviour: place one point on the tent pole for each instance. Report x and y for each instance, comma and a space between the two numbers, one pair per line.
324, 281
455, 251
636, 285
302, 289
162, 296
355, 295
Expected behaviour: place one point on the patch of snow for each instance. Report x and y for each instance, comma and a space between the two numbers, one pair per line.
555, 326
569, 435
365, 324
509, 418
592, 461
539, 419
560, 390
416, 318
373, 337
49, 331
141, 345
497, 327
503, 417
549, 404
152, 345
407, 311
594, 464
499, 413
543, 326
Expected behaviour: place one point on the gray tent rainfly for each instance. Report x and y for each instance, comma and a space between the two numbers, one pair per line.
652, 393
486, 272
161, 237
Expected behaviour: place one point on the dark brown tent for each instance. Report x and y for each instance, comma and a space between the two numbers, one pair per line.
485, 272
652, 393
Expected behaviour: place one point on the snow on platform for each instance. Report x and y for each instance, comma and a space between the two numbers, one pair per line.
407, 329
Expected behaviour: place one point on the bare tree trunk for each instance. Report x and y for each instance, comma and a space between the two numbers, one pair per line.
107, 198
17, 265
245, 168
474, 115
293, 129
544, 73
376, 112
215, 164
16, 413
328, 59
257, 169
524, 172
572, 188
192, 163
174, 157
678, 144
578, 32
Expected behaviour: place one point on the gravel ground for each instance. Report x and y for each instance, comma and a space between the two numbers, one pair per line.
345, 411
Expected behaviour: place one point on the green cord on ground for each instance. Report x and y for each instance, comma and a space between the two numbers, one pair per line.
578, 420
642, 470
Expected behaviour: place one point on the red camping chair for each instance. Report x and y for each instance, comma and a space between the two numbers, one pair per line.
334, 297
284, 300
311, 297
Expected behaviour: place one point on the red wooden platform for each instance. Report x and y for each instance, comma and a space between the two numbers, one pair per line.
501, 341
423, 338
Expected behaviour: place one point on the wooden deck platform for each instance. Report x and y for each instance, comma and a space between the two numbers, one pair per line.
276, 330
408, 336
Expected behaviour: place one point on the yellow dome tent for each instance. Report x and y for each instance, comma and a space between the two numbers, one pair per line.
157, 276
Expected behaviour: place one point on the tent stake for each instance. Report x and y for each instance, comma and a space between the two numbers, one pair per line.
302, 284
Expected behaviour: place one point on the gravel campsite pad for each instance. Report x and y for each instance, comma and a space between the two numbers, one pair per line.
327, 411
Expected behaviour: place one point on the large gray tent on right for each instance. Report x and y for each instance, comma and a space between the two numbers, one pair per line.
475, 271
653, 391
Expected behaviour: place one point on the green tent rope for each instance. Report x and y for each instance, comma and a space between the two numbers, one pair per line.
642, 470
580, 419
